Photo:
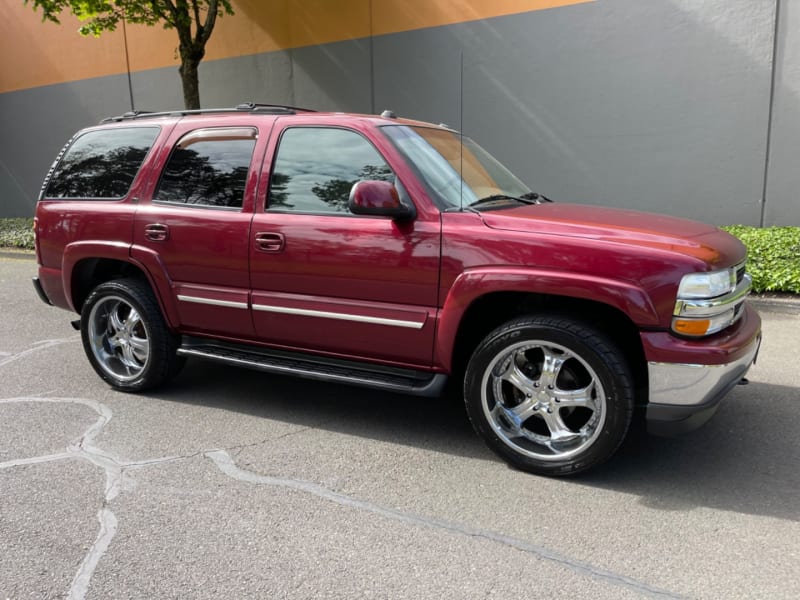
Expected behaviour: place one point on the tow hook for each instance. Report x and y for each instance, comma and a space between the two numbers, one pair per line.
76, 324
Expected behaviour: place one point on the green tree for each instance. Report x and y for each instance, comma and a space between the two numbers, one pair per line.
194, 21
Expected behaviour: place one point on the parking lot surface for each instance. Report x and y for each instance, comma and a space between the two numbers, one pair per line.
236, 484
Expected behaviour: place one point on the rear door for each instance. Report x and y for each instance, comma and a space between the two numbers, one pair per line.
196, 223
328, 281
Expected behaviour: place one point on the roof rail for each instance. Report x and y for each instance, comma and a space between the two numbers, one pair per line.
251, 107
255, 107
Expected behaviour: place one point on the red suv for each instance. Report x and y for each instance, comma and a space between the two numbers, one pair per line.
395, 254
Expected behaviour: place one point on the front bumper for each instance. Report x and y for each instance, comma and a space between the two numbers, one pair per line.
683, 396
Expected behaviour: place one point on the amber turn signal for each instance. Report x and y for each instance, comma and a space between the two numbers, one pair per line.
691, 326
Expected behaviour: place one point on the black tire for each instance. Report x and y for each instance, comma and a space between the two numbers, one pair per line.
126, 338
549, 394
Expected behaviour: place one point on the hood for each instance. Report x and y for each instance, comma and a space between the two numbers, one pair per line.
705, 242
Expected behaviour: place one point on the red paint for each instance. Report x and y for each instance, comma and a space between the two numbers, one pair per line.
425, 270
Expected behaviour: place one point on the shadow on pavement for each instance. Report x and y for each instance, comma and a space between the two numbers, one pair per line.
744, 460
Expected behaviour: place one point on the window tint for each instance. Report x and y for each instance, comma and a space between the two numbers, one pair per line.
101, 164
208, 168
316, 167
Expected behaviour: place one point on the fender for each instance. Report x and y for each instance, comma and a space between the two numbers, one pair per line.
152, 268
474, 283
150, 262
74, 252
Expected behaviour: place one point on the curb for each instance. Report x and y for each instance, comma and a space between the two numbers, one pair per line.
784, 304
23, 254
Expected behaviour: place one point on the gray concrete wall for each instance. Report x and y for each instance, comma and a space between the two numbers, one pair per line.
661, 105
783, 183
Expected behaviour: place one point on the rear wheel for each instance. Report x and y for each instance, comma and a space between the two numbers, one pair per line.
125, 337
549, 394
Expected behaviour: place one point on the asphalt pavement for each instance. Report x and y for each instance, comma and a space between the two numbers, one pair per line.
236, 484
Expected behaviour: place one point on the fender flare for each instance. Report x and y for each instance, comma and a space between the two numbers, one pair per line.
146, 261
473, 284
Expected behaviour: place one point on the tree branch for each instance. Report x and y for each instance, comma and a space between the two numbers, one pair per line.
211, 19
155, 6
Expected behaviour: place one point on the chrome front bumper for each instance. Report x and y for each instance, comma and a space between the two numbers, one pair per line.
684, 396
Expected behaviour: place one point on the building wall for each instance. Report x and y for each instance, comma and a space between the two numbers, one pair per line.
684, 107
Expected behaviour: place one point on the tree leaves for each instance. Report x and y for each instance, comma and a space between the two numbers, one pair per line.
193, 20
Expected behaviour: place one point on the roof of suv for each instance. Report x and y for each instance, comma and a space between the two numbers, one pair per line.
259, 109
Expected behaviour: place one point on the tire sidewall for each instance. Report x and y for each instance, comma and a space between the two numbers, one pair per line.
618, 393
130, 291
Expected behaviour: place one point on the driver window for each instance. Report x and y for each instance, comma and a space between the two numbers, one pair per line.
315, 168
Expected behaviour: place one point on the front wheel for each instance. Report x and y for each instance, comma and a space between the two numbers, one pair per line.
125, 337
549, 394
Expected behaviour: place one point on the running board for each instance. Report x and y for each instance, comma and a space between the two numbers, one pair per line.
404, 381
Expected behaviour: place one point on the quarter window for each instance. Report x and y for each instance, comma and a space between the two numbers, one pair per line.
316, 167
208, 168
101, 164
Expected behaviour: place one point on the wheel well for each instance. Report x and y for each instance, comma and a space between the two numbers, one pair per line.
91, 272
492, 310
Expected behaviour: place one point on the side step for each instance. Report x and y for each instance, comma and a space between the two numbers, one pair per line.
404, 381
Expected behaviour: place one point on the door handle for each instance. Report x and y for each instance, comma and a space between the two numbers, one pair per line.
270, 242
156, 232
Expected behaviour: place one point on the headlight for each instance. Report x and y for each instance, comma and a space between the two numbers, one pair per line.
707, 285
710, 302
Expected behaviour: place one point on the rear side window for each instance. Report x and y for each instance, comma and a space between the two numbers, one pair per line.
208, 167
101, 164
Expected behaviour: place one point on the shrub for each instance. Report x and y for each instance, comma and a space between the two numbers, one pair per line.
773, 256
16, 233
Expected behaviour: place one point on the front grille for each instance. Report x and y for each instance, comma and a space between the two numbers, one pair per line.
740, 271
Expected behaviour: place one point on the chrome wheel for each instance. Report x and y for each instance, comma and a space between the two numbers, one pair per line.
550, 394
119, 338
543, 400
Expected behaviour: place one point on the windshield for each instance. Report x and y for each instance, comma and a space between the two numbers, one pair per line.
445, 160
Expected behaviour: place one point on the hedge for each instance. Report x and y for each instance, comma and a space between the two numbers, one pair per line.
773, 256
16, 233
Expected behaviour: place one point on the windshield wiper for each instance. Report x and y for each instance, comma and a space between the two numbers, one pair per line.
526, 198
535, 196
496, 197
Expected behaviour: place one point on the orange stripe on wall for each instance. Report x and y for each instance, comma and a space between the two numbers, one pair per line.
395, 16
33, 53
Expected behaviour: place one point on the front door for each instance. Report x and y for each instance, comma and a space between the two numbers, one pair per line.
328, 281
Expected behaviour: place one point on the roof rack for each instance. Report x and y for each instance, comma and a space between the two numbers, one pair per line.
255, 107
249, 107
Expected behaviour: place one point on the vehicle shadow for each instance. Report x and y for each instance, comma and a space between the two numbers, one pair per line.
438, 424
744, 460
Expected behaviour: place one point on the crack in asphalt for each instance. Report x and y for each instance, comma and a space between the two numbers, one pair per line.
115, 468
83, 450
38, 346
239, 448
226, 464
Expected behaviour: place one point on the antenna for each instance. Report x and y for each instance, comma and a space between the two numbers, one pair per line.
461, 126
127, 63
371, 63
